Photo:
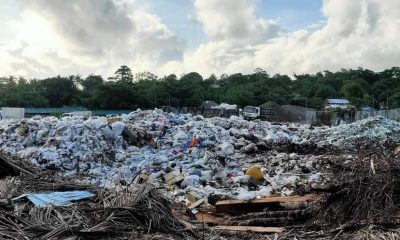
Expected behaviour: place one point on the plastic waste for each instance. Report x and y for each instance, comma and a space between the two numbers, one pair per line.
59, 199
255, 173
191, 180
226, 148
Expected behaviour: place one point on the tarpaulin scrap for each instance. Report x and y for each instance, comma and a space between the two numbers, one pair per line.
59, 199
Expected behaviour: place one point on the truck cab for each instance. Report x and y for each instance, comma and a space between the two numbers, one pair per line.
67, 115
85, 114
251, 112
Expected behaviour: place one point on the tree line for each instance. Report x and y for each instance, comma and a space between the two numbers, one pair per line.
145, 90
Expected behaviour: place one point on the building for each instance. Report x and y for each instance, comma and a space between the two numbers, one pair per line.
337, 103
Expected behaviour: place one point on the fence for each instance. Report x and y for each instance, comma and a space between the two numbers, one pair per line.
393, 114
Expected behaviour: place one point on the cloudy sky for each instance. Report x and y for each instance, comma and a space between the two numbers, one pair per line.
42, 38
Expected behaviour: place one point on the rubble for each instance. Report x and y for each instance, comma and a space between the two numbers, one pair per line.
223, 163
349, 136
194, 149
152, 142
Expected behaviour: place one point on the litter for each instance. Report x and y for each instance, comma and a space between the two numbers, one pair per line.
59, 199
255, 173
261, 171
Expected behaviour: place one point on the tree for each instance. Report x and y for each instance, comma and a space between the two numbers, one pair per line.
151, 91
145, 76
191, 90
124, 73
354, 92
91, 81
325, 92
59, 91
115, 95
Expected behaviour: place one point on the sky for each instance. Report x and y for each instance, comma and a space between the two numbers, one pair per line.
45, 38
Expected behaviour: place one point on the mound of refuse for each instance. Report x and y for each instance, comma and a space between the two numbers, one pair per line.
205, 156
94, 146
348, 136
254, 173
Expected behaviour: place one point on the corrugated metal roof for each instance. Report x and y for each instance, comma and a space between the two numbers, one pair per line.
338, 101
367, 109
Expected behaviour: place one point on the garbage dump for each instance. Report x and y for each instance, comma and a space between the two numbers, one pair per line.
166, 148
234, 175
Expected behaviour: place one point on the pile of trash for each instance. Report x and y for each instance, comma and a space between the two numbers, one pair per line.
348, 136
225, 106
162, 148
189, 155
225, 171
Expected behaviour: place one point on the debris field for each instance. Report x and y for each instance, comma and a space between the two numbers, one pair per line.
162, 175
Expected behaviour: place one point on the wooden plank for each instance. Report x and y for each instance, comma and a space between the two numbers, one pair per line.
196, 204
250, 229
209, 218
187, 224
256, 205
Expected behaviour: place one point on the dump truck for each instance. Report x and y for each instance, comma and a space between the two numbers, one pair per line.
251, 112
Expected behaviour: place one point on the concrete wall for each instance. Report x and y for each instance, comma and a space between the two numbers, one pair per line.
12, 113
393, 114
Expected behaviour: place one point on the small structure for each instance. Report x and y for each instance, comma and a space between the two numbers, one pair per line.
212, 109
365, 112
271, 111
340, 111
11, 113
208, 105
337, 103
303, 114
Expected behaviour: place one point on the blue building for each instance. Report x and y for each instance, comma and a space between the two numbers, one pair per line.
337, 102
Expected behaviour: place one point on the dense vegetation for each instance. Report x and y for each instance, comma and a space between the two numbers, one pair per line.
146, 90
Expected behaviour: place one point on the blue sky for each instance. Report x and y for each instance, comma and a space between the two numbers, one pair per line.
41, 38
293, 14
179, 15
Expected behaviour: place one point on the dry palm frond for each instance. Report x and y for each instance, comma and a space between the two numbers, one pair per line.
108, 215
362, 195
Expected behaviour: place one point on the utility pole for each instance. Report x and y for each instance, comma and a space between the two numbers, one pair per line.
306, 104
306, 110
387, 101
373, 102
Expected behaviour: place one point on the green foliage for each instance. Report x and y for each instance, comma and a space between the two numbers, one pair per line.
59, 91
146, 90
325, 92
57, 115
124, 73
115, 95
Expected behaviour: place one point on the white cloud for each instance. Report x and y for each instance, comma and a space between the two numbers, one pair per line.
85, 36
96, 36
357, 33
233, 20
234, 32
